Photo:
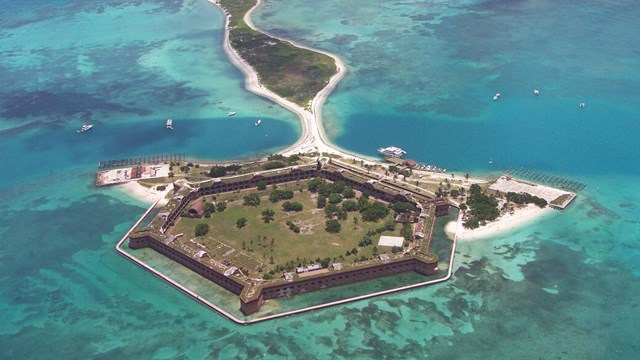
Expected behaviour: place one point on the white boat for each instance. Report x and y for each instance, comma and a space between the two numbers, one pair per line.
258, 122
496, 97
85, 127
581, 105
231, 113
391, 151
536, 92
170, 124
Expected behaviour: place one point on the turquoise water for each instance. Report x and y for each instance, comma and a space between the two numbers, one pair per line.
421, 76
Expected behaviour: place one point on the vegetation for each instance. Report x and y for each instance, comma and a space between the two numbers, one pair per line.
277, 195
220, 171
561, 199
251, 199
267, 215
291, 72
374, 211
292, 206
291, 238
333, 226
483, 207
202, 229
525, 198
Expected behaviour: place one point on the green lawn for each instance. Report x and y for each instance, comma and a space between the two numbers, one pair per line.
312, 242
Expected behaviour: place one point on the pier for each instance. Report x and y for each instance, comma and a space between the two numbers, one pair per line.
149, 160
541, 178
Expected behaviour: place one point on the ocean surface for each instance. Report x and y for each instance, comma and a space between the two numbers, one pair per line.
421, 75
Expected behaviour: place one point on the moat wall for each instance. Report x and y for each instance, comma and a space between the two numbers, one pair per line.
338, 278
139, 241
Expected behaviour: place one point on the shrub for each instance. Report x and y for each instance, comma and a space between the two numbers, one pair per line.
292, 206
202, 229
251, 199
333, 226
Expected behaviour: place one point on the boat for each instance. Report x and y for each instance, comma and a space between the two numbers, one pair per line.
258, 122
496, 96
581, 105
85, 127
392, 152
536, 92
231, 113
170, 124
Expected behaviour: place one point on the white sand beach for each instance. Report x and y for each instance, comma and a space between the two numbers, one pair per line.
313, 137
505, 223
143, 193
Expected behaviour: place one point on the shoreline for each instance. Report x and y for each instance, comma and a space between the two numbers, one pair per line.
143, 193
504, 223
313, 137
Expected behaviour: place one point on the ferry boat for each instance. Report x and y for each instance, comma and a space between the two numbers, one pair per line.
231, 113
85, 127
170, 124
258, 122
391, 151
496, 97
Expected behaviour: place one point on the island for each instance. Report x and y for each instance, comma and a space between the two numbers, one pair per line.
313, 216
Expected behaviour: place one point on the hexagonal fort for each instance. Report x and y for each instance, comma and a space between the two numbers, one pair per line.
268, 248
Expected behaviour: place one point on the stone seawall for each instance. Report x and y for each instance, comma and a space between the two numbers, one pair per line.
138, 241
338, 278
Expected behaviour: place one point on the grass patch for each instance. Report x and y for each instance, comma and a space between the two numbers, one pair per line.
561, 199
266, 245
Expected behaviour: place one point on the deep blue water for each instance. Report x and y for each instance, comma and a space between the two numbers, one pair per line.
421, 76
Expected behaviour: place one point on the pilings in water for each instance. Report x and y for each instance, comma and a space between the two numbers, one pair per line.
157, 159
542, 178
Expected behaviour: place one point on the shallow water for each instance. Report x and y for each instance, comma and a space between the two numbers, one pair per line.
421, 77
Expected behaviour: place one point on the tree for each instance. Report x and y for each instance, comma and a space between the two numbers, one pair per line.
209, 207
348, 193
217, 171
325, 262
251, 199
221, 206
335, 198
321, 202
240, 223
202, 229
314, 184
292, 206
262, 185
455, 193
267, 215
333, 226
374, 211
350, 205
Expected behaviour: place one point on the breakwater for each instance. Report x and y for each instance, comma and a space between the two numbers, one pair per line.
541, 178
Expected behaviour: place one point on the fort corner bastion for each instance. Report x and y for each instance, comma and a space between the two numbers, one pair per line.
254, 292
